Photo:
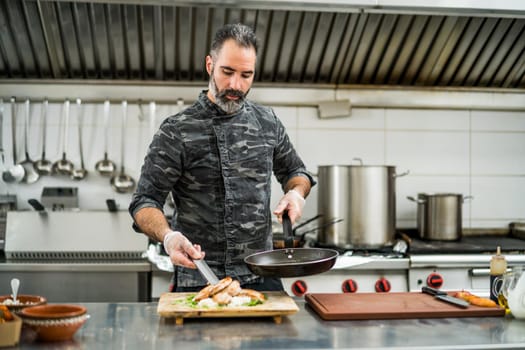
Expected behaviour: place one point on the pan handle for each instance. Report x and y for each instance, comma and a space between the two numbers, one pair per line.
287, 230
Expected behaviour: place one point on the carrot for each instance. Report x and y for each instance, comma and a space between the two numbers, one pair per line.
474, 299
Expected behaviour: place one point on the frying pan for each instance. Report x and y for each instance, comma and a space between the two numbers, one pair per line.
291, 262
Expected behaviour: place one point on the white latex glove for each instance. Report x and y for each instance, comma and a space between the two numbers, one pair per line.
181, 250
293, 202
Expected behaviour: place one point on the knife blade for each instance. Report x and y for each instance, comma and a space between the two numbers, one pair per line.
443, 296
206, 271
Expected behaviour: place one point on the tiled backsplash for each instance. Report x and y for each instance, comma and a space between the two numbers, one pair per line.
478, 153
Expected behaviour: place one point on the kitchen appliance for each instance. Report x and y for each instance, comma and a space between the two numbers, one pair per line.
60, 198
364, 196
439, 215
463, 264
77, 256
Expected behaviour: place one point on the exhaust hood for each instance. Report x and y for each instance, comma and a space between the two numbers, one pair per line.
307, 43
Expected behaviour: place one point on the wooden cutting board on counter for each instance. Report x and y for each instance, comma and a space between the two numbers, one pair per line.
278, 304
381, 306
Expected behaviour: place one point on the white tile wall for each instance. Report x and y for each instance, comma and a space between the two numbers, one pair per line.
478, 153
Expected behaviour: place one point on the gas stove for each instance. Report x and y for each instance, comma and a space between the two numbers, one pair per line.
457, 265
462, 264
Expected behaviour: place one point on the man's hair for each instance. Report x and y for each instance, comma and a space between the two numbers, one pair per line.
243, 35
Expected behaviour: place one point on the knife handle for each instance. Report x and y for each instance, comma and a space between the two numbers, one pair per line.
433, 291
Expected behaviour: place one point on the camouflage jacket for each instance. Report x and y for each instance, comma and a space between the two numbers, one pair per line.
218, 168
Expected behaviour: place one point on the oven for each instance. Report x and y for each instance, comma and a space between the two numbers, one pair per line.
76, 256
457, 265
462, 264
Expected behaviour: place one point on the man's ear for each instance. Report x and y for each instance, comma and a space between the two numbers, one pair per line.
209, 64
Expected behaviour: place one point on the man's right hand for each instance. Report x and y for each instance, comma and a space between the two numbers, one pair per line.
180, 250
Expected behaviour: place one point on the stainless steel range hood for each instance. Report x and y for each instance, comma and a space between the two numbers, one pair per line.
314, 43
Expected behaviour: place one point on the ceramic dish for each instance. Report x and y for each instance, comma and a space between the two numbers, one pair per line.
23, 301
54, 322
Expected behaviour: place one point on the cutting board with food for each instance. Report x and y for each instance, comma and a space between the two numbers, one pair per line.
377, 306
181, 306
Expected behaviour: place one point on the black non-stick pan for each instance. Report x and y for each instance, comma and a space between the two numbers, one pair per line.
291, 262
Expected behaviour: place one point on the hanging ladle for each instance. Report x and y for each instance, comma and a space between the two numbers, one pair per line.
16, 172
122, 182
105, 167
80, 174
30, 174
44, 166
64, 166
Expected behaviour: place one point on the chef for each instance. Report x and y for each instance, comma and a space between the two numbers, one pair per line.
217, 158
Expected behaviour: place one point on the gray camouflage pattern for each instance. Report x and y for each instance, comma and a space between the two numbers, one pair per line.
218, 168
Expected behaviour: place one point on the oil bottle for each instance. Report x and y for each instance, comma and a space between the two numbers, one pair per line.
498, 266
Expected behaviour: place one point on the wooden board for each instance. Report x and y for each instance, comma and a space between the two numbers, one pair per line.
377, 306
277, 304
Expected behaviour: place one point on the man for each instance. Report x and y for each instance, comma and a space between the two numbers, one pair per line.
217, 157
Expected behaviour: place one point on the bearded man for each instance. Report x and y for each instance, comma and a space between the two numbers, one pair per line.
217, 158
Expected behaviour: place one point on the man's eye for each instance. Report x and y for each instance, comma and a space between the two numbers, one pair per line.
247, 75
227, 72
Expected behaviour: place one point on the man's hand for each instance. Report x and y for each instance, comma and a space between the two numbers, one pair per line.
292, 202
181, 250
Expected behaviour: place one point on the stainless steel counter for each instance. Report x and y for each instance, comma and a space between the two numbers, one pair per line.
137, 326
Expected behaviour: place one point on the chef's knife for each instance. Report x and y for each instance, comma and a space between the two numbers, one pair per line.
205, 271
443, 296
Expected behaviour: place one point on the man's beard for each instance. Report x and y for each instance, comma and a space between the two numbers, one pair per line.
227, 105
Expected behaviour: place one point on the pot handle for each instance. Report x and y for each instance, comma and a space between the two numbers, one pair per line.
467, 198
402, 174
418, 201
359, 160
287, 230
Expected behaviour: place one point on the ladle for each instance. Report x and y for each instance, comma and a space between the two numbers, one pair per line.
80, 174
44, 166
105, 167
121, 182
2, 156
30, 174
16, 172
64, 166
15, 284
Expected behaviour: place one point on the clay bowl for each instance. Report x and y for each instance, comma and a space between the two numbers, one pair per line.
23, 301
54, 322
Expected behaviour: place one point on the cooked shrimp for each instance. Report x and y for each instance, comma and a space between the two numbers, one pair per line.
203, 293
221, 285
234, 288
253, 294
222, 298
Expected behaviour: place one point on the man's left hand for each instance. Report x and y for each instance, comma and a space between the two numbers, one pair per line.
292, 202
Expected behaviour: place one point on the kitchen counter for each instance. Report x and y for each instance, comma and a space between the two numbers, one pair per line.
137, 326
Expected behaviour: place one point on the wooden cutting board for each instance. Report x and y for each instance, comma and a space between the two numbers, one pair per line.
277, 305
378, 306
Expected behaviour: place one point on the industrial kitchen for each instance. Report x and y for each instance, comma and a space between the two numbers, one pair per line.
262, 174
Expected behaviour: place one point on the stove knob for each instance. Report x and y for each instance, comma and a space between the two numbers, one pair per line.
299, 287
349, 286
434, 280
383, 285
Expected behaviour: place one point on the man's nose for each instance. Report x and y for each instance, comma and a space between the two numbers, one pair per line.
236, 82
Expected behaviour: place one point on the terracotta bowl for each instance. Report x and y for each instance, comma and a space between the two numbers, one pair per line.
54, 322
23, 301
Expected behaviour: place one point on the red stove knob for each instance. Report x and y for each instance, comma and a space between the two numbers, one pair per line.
434, 280
383, 285
349, 286
299, 287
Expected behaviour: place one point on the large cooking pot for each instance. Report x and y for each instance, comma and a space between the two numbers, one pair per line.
291, 262
364, 196
439, 215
